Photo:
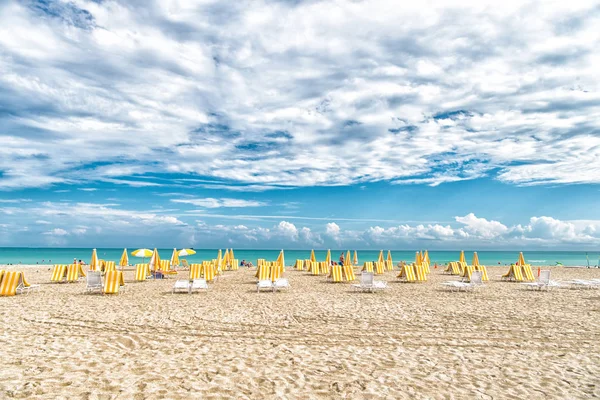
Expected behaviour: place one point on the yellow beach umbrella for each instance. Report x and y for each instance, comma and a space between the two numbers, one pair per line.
94, 263
174, 258
521, 259
225, 260
124, 259
418, 258
281, 260
475, 259
347, 260
154, 263
186, 252
312, 256
355, 258
462, 256
380, 258
219, 259
141, 253
426, 257
328, 257
231, 256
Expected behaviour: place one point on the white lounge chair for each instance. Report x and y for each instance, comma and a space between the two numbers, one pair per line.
198, 284
476, 281
264, 284
181, 285
94, 282
583, 284
21, 288
281, 283
543, 282
367, 283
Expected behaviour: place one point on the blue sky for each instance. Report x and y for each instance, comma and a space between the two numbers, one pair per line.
299, 124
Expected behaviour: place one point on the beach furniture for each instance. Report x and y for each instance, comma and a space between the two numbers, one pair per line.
181, 285
184, 264
452, 268
264, 284
9, 283
483, 271
142, 272
514, 273
467, 271
324, 267
113, 280
199, 284
583, 284
368, 283
543, 282
109, 266
367, 266
336, 274
420, 273
195, 271
299, 265
73, 272
348, 271
379, 267
476, 281
208, 271
25, 287
407, 273
314, 268
58, 273
281, 283
93, 282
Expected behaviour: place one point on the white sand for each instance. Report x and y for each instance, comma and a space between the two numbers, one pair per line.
319, 340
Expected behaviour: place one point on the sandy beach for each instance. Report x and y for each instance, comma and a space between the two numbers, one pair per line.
318, 340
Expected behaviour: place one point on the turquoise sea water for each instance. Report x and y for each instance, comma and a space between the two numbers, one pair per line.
15, 255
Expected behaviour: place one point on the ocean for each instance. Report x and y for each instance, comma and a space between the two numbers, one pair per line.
25, 255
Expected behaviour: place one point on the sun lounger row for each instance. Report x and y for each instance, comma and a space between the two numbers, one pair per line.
67, 273
185, 285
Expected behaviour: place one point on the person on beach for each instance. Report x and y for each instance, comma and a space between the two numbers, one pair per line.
342, 259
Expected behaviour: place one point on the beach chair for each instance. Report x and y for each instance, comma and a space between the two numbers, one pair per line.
527, 273
467, 271
349, 275
25, 287
389, 265
420, 274
299, 265
368, 283
367, 266
315, 268
307, 265
543, 282
461, 267
199, 284
281, 283
9, 283
336, 274
73, 272
184, 264
195, 271
264, 284
58, 273
426, 268
93, 282
208, 271
514, 274
181, 285
324, 267
483, 271
276, 272
109, 266
407, 273
582, 284
165, 268
142, 272
263, 272
379, 268
476, 281
112, 282
453, 268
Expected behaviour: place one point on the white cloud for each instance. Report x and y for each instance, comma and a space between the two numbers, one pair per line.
218, 203
288, 230
481, 227
57, 232
252, 102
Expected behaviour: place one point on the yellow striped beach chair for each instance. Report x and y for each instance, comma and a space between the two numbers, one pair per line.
407, 273
453, 268
379, 268
208, 271
420, 273
23, 285
336, 274
461, 267
142, 272
527, 273
389, 265
263, 272
484, 274
109, 266
367, 266
514, 273
426, 268
113, 280
235, 264
467, 272
195, 271
58, 273
299, 265
349, 275
307, 264
314, 268
324, 267
9, 283
73, 272
276, 272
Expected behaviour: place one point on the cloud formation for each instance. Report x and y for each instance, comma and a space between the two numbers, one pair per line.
277, 94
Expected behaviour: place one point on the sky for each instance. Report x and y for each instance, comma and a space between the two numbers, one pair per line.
300, 124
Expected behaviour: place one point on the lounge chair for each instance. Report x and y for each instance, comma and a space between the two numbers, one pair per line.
583, 284
366, 282
58, 273
113, 280
9, 283
142, 272
407, 273
25, 287
181, 285
93, 282
476, 281
198, 284
281, 283
184, 264
73, 272
264, 284
543, 282
336, 274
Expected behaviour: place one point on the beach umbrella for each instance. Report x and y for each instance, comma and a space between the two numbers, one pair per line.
380, 259
94, 264
312, 256
462, 256
426, 258
219, 261
418, 258
141, 253
124, 259
521, 259
225, 260
231, 256
475, 259
347, 260
174, 258
154, 263
328, 257
389, 256
281, 260
186, 252
355, 258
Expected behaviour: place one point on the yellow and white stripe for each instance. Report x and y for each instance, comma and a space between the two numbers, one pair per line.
379, 267
9, 283
484, 274
349, 273
299, 265
195, 271
58, 273
407, 272
73, 272
368, 266
336, 273
208, 270
527, 273
112, 282
142, 271
109, 266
